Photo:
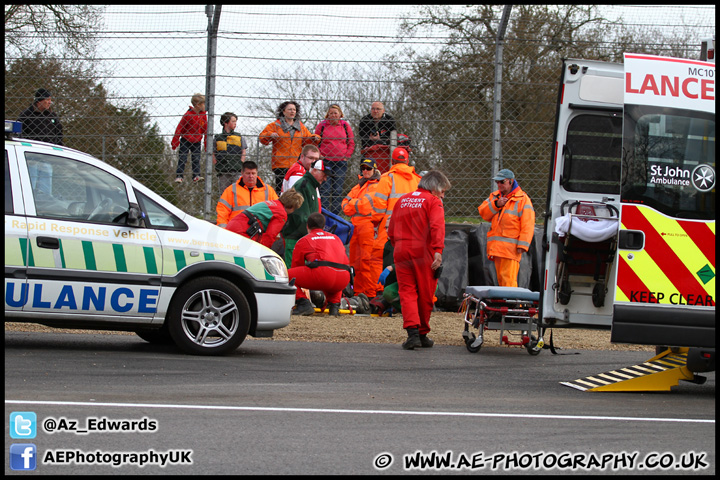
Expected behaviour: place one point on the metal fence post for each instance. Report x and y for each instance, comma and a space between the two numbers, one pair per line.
497, 94
213, 14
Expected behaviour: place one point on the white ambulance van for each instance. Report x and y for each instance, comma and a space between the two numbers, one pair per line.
629, 234
87, 246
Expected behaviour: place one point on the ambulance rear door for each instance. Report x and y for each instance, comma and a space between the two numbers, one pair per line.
666, 259
583, 192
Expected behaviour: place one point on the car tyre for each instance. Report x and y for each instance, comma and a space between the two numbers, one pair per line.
208, 316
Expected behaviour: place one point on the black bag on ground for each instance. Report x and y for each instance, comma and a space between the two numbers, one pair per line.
454, 276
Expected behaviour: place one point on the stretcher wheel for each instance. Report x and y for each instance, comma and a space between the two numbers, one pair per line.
468, 344
564, 292
532, 347
598, 295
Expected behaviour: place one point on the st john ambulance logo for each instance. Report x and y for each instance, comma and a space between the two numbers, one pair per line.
703, 177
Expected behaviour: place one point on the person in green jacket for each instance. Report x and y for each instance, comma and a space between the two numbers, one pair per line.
307, 186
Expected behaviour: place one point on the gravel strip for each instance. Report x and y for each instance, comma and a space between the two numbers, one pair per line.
446, 327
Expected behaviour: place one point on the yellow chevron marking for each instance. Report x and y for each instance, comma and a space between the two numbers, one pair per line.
13, 252
680, 242
104, 257
43, 257
74, 256
135, 258
666, 371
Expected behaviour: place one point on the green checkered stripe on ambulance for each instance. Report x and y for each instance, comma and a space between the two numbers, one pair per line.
117, 257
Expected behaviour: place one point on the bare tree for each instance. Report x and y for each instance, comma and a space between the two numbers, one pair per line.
31, 29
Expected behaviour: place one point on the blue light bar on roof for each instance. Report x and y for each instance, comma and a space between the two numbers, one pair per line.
12, 126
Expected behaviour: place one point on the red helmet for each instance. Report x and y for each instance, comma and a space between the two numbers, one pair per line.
404, 141
400, 155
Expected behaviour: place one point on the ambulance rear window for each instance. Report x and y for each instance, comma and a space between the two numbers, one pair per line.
591, 154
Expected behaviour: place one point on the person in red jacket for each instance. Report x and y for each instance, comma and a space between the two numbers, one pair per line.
513, 226
319, 262
263, 221
189, 133
417, 234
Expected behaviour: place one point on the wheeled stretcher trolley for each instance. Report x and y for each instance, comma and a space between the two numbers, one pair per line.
587, 239
511, 310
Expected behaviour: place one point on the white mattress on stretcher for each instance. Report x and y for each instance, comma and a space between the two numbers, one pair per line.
588, 230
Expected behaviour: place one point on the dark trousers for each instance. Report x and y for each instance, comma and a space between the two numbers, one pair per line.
194, 150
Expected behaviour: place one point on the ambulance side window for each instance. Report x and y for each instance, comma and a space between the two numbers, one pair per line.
68, 189
158, 217
591, 154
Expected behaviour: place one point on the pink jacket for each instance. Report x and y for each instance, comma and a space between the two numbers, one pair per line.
338, 141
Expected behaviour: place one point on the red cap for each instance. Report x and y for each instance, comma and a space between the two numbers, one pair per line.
400, 155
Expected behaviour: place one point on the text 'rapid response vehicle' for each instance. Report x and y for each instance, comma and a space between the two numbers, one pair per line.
87, 246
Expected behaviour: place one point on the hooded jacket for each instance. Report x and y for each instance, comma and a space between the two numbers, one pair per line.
393, 184
44, 126
237, 197
192, 127
512, 226
358, 203
288, 146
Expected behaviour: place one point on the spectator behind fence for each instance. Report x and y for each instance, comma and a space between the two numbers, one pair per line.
189, 134
307, 186
417, 234
512, 218
263, 221
319, 262
288, 135
310, 154
40, 122
375, 127
247, 191
337, 143
229, 153
358, 206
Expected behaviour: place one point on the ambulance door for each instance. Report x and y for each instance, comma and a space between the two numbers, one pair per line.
583, 193
16, 236
666, 264
85, 261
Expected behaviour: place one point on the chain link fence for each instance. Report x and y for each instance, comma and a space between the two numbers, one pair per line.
473, 94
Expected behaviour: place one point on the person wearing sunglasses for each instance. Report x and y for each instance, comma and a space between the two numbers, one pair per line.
357, 205
512, 218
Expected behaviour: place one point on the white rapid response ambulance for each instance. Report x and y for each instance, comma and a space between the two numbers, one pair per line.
87, 246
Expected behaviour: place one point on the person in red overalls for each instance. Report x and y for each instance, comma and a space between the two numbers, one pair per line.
319, 262
417, 233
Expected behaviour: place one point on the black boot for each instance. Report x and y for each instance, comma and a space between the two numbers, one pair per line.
334, 309
303, 307
425, 341
413, 339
